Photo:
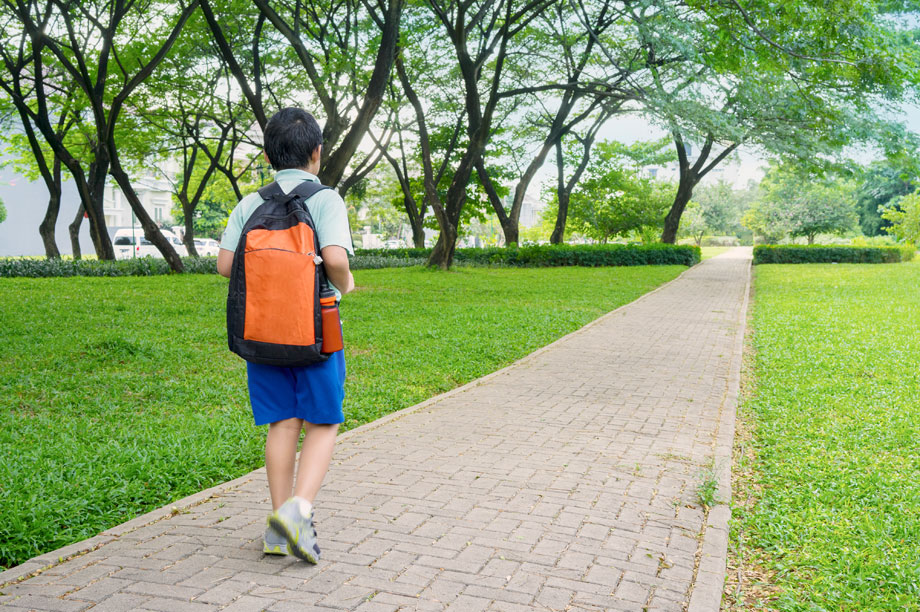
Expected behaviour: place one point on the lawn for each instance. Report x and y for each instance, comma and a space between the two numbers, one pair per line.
834, 418
710, 252
118, 395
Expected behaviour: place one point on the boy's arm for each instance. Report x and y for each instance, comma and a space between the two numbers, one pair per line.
224, 262
335, 260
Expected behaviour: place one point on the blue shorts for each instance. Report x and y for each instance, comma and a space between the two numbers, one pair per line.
313, 393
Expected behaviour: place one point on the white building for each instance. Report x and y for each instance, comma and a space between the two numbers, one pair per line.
154, 193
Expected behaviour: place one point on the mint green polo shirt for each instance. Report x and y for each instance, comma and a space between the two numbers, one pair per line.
326, 207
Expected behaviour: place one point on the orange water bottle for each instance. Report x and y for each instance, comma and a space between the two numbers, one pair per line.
332, 325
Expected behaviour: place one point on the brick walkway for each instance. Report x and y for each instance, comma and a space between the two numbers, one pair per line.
564, 482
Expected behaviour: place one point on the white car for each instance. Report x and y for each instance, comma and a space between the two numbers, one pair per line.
130, 243
207, 247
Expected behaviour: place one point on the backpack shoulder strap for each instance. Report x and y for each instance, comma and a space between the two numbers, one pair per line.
270, 191
308, 189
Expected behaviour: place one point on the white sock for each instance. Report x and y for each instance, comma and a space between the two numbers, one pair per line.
304, 506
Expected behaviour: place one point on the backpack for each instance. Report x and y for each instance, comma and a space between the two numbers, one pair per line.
279, 296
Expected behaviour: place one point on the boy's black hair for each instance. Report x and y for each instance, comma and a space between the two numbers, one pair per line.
291, 136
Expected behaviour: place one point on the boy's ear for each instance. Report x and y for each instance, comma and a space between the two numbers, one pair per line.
317, 154
265, 155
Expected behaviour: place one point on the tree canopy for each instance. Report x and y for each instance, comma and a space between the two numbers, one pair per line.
463, 101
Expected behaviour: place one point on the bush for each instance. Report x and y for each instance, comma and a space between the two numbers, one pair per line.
150, 266
538, 256
721, 241
142, 266
830, 254
371, 259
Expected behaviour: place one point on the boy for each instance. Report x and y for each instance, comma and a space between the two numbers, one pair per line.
301, 398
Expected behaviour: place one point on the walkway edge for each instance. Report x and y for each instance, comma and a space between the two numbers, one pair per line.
709, 581
44, 562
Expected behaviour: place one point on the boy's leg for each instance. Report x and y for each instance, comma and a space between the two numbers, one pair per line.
315, 456
280, 452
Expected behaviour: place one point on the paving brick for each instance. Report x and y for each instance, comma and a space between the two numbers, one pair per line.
99, 590
162, 604
247, 603
32, 601
225, 592
119, 602
549, 486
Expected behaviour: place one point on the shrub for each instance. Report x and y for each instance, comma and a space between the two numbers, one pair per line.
142, 266
372, 259
537, 256
149, 266
829, 254
721, 241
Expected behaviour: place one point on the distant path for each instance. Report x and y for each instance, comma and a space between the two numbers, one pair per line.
564, 482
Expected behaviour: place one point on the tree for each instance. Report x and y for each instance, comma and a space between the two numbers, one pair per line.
194, 117
481, 37
693, 223
766, 219
823, 209
2, 211
723, 206
33, 158
576, 157
803, 204
613, 199
796, 81
213, 205
905, 218
89, 43
882, 183
334, 42
571, 89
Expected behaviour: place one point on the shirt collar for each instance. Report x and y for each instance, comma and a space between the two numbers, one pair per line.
295, 173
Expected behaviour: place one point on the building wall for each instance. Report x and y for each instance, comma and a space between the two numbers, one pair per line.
154, 194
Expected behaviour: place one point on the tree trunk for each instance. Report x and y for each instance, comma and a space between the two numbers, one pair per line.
92, 192
74, 229
151, 231
418, 235
334, 166
562, 195
681, 198
188, 211
442, 255
509, 224
449, 219
558, 235
49, 223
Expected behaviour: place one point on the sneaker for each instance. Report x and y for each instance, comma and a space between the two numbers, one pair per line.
273, 543
297, 529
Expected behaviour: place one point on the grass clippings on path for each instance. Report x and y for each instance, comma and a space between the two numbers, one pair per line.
827, 500
118, 396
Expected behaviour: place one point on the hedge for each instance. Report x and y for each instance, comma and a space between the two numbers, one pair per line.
791, 254
365, 259
150, 266
538, 256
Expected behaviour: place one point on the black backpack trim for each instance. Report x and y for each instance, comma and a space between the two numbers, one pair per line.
279, 210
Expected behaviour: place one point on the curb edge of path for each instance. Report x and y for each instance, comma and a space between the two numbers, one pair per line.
51, 559
709, 582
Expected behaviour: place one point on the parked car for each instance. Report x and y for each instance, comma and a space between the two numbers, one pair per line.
130, 243
207, 247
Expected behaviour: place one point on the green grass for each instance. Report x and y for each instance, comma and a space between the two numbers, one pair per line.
118, 395
835, 419
710, 252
